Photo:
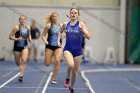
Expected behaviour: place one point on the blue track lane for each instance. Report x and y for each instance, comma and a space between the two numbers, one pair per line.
37, 74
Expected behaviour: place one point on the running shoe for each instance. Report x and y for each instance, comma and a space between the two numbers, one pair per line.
66, 82
71, 90
53, 81
20, 79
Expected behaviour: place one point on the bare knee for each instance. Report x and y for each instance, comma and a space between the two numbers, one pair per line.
23, 61
57, 61
71, 66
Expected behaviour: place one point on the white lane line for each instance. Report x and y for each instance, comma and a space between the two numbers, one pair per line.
102, 70
87, 83
12, 87
9, 80
47, 82
15, 87
39, 86
112, 70
21, 87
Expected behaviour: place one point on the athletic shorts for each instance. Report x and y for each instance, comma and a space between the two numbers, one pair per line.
74, 52
18, 49
53, 48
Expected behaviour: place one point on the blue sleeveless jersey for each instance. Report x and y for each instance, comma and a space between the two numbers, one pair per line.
24, 33
53, 35
73, 39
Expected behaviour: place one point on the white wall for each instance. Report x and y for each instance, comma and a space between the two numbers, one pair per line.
103, 36
64, 2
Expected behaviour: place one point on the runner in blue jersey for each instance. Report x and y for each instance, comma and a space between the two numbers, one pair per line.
74, 30
52, 44
21, 34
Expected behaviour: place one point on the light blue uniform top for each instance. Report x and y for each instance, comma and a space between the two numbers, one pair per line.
53, 35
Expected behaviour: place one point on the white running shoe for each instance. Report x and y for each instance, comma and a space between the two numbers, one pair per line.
53, 81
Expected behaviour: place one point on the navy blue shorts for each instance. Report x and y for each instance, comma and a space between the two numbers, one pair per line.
74, 52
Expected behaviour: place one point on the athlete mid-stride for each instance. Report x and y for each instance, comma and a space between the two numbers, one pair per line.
52, 44
21, 34
74, 30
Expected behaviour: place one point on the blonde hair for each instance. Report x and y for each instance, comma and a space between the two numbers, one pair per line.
21, 16
49, 18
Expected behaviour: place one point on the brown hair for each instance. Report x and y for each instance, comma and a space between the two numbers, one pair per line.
76, 9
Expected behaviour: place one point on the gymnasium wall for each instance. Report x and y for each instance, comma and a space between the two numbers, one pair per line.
103, 21
64, 2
